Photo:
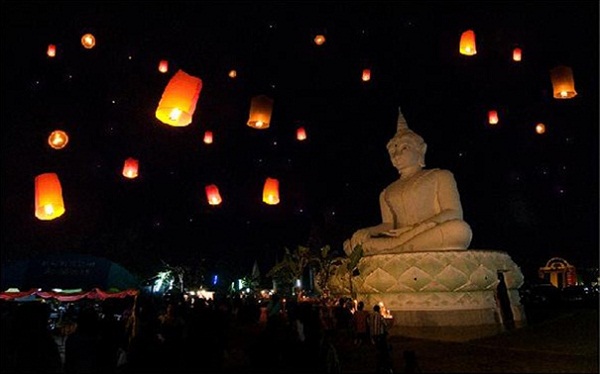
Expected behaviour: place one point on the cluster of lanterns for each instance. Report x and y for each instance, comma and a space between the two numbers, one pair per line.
178, 104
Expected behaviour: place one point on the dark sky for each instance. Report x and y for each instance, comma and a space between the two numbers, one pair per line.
533, 196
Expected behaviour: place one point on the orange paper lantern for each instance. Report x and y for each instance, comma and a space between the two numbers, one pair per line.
51, 51
178, 102
467, 43
540, 128
208, 137
130, 168
212, 194
493, 117
49, 202
271, 191
88, 41
232, 73
261, 108
366, 75
563, 83
517, 54
319, 39
58, 139
163, 66
301, 133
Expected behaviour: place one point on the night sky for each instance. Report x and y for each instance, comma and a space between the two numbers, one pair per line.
533, 196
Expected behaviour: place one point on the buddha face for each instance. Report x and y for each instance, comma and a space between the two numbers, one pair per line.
407, 150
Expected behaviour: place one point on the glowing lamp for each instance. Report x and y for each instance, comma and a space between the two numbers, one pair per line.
212, 194
540, 128
51, 51
467, 43
493, 117
261, 108
232, 73
88, 41
366, 75
319, 39
130, 168
271, 191
178, 102
517, 54
208, 137
49, 202
163, 66
301, 133
563, 83
58, 139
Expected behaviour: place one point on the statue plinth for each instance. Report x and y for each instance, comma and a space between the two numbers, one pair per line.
436, 290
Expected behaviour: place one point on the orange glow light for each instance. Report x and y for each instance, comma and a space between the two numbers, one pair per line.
232, 73
467, 43
540, 128
208, 137
493, 117
51, 52
271, 191
88, 41
130, 168
178, 101
366, 75
58, 139
517, 54
319, 39
261, 108
163, 66
563, 83
301, 133
49, 202
212, 194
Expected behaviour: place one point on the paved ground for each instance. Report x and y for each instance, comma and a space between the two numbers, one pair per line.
555, 340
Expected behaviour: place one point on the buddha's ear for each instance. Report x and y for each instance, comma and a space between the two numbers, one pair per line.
422, 158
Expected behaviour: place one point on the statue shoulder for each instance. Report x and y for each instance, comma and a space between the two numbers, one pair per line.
440, 173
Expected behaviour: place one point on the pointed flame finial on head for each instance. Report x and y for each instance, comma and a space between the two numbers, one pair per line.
401, 126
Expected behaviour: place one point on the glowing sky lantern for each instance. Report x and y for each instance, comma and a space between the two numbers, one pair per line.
366, 75
232, 73
212, 194
51, 51
88, 41
517, 54
540, 128
49, 202
493, 117
179, 99
301, 133
58, 139
208, 137
563, 83
261, 108
271, 191
131, 168
319, 39
467, 43
163, 66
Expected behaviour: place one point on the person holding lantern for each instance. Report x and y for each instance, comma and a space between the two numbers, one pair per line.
421, 210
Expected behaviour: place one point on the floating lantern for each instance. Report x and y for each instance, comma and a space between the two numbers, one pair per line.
232, 73
51, 51
58, 139
88, 41
467, 43
208, 137
563, 83
261, 108
130, 168
163, 66
49, 202
301, 133
212, 194
271, 191
540, 128
319, 39
179, 99
493, 117
366, 75
517, 54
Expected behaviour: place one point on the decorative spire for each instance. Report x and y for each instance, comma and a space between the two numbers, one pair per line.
402, 125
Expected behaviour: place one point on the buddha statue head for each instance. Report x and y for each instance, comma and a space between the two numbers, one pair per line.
406, 138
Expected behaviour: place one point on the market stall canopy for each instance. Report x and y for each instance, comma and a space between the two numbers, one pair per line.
67, 271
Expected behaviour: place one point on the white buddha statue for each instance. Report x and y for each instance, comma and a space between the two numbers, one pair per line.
420, 211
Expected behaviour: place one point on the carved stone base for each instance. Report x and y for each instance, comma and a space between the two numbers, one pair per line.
436, 289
